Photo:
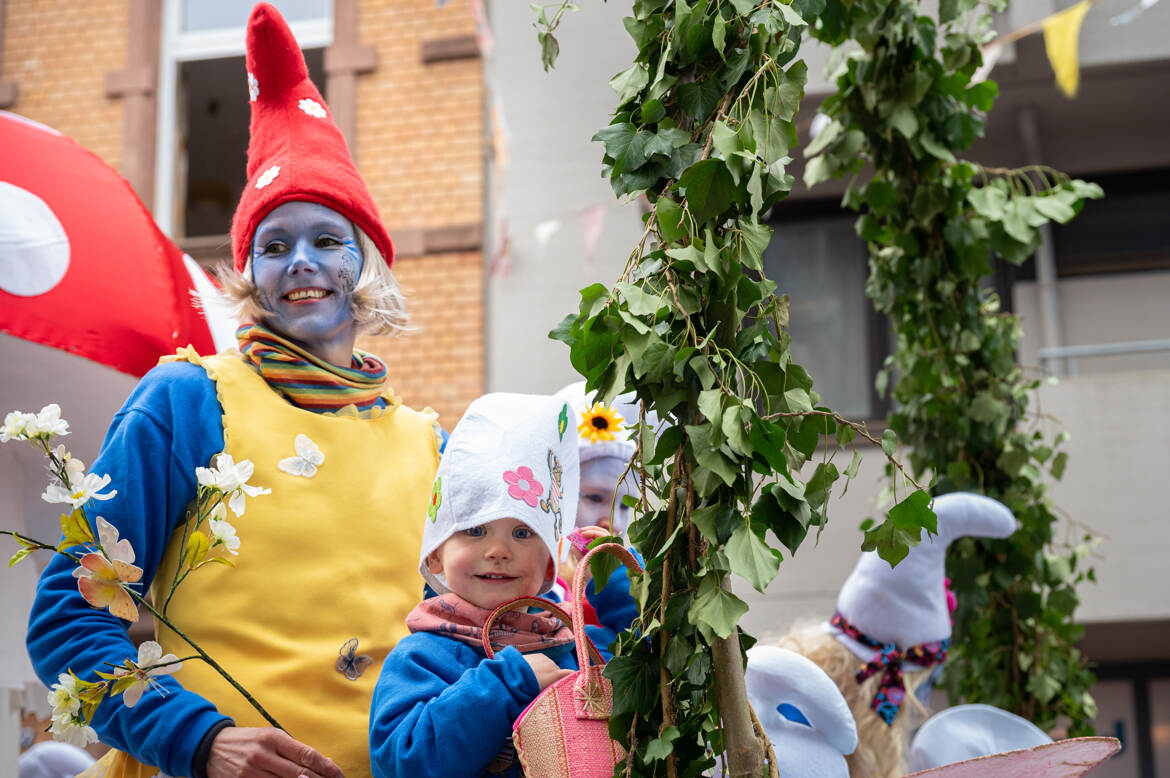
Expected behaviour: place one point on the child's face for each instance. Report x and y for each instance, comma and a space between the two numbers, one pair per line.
493, 563
598, 479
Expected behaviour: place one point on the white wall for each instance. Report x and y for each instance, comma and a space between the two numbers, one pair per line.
1100, 310
553, 173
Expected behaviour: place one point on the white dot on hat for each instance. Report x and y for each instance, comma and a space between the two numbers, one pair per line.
253, 88
36, 253
268, 176
312, 108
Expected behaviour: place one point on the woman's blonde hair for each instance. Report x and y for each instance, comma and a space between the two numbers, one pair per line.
379, 307
882, 749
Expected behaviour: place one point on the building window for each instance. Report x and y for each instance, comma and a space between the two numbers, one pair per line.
1128, 231
1133, 703
1107, 307
816, 258
203, 109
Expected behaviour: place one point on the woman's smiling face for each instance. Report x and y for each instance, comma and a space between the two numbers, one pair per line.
305, 264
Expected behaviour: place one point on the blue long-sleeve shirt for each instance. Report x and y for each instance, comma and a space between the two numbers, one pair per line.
170, 424
442, 708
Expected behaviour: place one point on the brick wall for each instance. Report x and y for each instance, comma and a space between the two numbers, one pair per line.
420, 149
440, 364
58, 52
420, 126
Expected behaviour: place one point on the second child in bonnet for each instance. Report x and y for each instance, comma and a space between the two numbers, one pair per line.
504, 498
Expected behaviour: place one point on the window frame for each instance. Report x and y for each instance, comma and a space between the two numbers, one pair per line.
177, 47
879, 336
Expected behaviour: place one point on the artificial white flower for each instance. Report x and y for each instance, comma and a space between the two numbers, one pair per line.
72, 730
232, 479
309, 457
74, 467
268, 176
80, 492
149, 654
15, 424
224, 534
253, 87
47, 424
63, 697
312, 108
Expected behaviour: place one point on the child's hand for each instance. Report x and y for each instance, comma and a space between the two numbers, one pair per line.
588, 534
545, 669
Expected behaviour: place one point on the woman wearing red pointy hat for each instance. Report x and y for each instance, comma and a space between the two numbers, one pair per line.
324, 576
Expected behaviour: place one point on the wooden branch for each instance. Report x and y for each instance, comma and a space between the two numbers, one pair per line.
745, 750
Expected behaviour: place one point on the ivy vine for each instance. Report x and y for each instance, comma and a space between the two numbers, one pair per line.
703, 129
905, 105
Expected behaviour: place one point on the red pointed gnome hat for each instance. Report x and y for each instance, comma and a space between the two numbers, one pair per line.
296, 151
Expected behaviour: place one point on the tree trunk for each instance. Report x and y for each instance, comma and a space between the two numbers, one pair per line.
745, 750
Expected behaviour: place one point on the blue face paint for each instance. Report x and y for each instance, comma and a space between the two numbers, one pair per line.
305, 264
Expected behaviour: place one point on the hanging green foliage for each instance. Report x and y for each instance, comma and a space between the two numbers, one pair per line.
703, 129
905, 107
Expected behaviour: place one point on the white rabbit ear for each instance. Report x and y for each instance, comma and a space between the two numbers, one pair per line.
962, 514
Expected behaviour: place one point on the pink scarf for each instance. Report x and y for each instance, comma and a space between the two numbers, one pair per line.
454, 617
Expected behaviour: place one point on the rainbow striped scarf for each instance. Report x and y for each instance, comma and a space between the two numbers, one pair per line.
307, 381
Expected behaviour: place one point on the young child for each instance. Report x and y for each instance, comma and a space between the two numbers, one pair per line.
603, 438
504, 497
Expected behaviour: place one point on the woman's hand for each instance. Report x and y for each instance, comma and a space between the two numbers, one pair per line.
250, 752
545, 669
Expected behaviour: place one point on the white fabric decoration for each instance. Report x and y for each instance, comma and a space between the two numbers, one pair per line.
778, 677
510, 456
969, 731
253, 87
312, 108
544, 232
906, 605
309, 457
268, 176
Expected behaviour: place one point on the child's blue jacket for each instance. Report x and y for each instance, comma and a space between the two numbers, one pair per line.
443, 709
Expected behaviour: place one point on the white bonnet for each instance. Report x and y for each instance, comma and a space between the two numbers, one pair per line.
906, 605
510, 456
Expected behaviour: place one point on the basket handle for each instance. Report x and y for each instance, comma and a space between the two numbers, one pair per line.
580, 579
531, 602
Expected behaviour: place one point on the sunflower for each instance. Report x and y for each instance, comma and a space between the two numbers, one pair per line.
599, 423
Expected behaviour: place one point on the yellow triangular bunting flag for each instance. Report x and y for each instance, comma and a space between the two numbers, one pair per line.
1061, 31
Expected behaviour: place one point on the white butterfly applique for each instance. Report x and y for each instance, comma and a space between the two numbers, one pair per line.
307, 460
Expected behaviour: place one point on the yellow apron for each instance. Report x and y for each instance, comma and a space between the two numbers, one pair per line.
322, 560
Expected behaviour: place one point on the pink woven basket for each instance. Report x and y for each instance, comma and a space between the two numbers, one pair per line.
564, 732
